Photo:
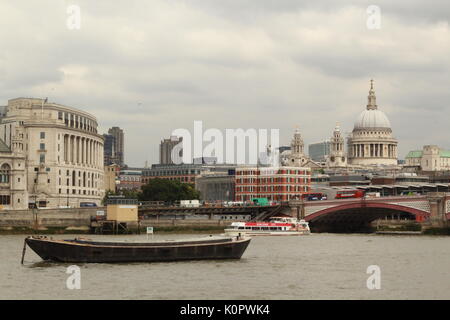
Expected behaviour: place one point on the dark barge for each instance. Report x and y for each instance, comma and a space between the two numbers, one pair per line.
81, 251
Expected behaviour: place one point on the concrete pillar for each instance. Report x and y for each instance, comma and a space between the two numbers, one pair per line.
86, 151
96, 154
297, 208
75, 149
66, 148
89, 152
72, 149
69, 158
82, 151
437, 209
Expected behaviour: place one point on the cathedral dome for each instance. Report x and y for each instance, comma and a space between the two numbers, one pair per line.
371, 142
372, 118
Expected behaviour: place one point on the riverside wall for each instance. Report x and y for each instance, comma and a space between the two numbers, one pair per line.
80, 220
75, 218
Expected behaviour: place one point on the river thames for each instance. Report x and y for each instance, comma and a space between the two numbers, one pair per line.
318, 266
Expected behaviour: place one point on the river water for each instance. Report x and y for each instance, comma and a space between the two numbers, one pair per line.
318, 266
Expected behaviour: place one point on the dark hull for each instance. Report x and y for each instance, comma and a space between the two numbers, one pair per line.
89, 251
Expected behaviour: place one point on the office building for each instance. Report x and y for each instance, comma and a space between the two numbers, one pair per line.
165, 151
274, 183
118, 145
319, 151
51, 155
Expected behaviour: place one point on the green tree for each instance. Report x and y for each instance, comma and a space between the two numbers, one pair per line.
168, 190
128, 194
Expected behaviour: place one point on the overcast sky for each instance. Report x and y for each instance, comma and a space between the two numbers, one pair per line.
153, 66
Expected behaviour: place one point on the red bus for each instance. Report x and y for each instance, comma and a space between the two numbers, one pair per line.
314, 196
348, 194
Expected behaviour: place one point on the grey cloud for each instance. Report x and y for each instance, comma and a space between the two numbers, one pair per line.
151, 67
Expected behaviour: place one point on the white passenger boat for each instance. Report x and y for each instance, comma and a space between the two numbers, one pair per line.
277, 226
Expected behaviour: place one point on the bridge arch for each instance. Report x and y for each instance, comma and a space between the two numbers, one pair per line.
360, 205
359, 215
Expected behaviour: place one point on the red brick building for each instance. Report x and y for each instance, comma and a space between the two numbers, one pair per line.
273, 183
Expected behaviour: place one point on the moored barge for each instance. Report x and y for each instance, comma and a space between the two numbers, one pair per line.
84, 251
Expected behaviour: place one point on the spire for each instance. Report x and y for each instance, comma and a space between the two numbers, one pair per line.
372, 100
297, 144
337, 128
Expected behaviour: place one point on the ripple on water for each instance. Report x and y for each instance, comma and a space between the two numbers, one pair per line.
320, 266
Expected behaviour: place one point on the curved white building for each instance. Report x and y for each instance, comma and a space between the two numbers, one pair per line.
371, 141
61, 150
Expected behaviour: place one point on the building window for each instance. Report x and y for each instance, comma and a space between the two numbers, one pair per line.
42, 158
4, 173
5, 199
42, 146
42, 135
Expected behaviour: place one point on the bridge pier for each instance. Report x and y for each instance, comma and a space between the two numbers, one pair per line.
438, 213
297, 209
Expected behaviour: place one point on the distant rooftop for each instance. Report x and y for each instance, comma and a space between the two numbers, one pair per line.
419, 153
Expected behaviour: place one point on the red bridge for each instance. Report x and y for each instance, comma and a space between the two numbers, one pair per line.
357, 214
